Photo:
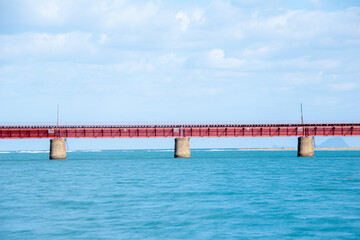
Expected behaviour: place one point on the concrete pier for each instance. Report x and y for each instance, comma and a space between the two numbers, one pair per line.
182, 148
57, 149
305, 147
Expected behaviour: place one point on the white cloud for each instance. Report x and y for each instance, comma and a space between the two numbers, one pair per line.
42, 44
49, 10
316, 3
103, 38
122, 13
48, 13
189, 91
306, 63
346, 86
284, 90
257, 52
183, 20
303, 24
280, 20
134, 66
298, 79
170, 60
217, 59
198, 16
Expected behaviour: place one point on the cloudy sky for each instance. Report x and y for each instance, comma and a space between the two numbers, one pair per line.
170, 61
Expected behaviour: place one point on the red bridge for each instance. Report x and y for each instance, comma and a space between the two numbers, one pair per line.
175, 131
180, 132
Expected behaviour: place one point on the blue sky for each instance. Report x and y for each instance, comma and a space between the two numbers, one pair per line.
178, 61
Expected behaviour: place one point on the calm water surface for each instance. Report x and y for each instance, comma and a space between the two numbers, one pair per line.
151, 195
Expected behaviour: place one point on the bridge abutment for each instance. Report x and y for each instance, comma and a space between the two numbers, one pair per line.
57, 149
182, 148
305, 147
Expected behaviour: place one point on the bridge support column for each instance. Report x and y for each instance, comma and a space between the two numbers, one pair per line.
182, 148
57, 149
305, 147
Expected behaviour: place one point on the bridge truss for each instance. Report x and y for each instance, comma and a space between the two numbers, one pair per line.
175, 131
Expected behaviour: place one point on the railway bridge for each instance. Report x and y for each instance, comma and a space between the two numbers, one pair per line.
181, 132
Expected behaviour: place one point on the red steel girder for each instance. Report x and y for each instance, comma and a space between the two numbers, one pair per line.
204, 130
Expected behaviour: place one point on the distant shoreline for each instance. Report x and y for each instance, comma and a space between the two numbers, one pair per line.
294, 149
195, 149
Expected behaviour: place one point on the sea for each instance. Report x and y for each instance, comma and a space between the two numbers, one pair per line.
149, 194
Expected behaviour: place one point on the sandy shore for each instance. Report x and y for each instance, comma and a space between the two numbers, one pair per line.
294, 149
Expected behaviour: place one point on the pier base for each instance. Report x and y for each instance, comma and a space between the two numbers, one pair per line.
182, 148
305, 147
57, 149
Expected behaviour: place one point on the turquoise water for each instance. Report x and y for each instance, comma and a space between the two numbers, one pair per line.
150, 195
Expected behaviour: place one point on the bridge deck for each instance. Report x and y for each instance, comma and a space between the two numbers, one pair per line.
193, 130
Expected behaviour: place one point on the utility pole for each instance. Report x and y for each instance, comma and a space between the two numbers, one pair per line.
57, 122
302, 117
